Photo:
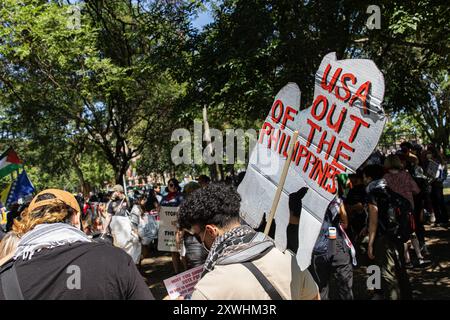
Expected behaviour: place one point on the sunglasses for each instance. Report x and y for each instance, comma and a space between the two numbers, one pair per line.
171, 185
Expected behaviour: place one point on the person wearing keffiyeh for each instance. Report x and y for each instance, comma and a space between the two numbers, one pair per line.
55, 260
242, 263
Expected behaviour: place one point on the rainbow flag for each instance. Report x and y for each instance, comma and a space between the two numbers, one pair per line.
9, 162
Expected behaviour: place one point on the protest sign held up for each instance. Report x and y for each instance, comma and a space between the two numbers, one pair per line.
337, 133
167, 229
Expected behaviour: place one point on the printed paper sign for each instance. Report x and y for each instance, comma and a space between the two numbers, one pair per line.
183, 284
167, 229
432, 169
337, 133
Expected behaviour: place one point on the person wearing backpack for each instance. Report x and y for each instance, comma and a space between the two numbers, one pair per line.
333, 253
242, 264
355, 206
120, 226
388, 230
116, 207
401, 182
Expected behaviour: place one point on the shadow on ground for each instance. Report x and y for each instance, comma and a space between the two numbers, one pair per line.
427, 284
156, 269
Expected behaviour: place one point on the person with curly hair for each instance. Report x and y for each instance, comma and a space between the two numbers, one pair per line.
242, 263
55, 260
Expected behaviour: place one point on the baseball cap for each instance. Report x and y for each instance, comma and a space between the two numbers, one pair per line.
118, 188
60, 196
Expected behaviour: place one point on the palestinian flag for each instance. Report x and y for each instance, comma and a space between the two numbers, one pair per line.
9, 162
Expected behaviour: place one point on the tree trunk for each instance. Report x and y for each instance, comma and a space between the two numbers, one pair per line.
221, 171
80, 175
213, 172
231, 171
120, 172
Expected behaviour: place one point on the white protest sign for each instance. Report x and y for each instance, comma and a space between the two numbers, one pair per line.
183, 284
337, 133
432, 169
167, 229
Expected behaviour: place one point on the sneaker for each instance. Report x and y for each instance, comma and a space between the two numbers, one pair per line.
432, 218
423, 263
424, 251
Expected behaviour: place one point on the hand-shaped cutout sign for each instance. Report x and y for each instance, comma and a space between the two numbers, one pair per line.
336, 135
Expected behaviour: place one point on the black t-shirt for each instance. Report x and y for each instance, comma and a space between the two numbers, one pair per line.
105, 273
380, 199
356, 195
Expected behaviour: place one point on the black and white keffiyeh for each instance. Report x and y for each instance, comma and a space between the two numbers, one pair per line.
234, 244
48, 236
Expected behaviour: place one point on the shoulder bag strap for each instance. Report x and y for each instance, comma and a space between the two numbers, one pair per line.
265, 283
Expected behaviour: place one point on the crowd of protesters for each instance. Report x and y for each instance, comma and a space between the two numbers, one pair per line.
59, 233
378, 217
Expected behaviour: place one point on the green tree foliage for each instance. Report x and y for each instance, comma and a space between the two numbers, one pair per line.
104, 82
80, 100
413, 49
254, 47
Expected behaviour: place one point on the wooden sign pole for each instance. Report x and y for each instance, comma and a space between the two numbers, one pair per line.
281, 183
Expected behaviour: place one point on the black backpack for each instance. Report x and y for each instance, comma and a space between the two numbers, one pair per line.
395, 216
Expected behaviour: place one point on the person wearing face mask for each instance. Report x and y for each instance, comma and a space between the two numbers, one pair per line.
195, 253
117, 206
242, 263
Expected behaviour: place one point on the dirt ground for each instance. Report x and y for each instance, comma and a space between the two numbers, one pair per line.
432, 283
428, 284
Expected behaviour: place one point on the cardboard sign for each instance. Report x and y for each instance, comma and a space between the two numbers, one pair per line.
432, 169
183, 284
167, 229
337, 133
